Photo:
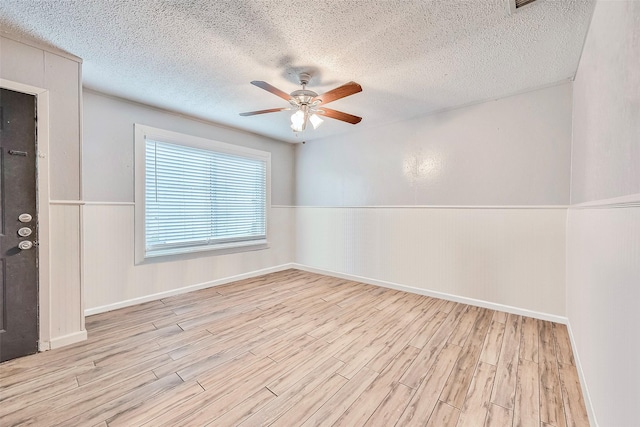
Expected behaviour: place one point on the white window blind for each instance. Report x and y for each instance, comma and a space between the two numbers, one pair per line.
198, 198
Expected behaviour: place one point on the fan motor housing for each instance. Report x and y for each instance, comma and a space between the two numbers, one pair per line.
303, 96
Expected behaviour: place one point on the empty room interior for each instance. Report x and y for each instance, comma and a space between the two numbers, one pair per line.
435, 220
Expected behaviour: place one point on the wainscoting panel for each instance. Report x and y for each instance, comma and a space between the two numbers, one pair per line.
603, 291
509, 256
67, 319
112, 280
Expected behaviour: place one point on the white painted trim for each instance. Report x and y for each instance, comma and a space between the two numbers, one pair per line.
66, 202
101, 203
585, 390
85, 202
41, 46
435, 294
42, 165
191, 288
142, 133
65, 340
628, 201
520, 207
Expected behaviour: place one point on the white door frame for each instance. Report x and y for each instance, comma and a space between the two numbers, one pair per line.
42, 206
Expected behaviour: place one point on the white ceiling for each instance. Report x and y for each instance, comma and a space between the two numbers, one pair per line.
411, 57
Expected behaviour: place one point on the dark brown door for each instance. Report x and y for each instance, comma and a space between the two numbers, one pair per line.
18, 231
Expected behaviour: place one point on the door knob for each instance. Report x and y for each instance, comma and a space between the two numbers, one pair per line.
25, 244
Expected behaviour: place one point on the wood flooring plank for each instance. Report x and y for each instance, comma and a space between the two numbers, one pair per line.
493, 343
68, 405
310, 403
115, 316
245, 409
395, 344
498, 416
563, 344
153, 408
215, 341
202, 408
551, 405
529, 342
105, 374
424, 335
500, 316
206, 359
266, 350
304, 363
216, 362
287, 343
294, 394
504, 390
457, 385
575, 410
391, 298
43, 383
426, 396
378, 391
443, 416
16, 402
448, 306
527, 402
391, 407
333, 408
477, 401
463, 328
124, 402
216, 379
419, 370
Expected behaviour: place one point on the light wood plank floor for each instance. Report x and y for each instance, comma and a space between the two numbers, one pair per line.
294, 348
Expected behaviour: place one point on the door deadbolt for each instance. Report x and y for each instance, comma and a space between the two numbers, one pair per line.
25, 217
25, 231
25, 244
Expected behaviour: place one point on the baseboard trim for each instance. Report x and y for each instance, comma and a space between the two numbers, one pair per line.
191, 288
67, 339
435, 294
585, 390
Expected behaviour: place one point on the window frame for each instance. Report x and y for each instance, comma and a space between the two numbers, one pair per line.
144, 132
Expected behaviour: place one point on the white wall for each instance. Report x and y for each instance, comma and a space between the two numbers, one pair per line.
111, 278
510, 258
469, 202
603, 233
54, 76
108, 155
512, 151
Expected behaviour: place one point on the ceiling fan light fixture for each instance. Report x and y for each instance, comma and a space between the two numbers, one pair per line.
307, 103
316, 121
298, 121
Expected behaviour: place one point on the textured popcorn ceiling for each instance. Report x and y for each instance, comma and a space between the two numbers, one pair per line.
411, 57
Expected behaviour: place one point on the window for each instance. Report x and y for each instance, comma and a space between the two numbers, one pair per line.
194, 194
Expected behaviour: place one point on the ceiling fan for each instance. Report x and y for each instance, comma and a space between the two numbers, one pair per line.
308, 105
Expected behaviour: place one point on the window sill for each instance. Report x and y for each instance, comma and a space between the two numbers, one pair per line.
215, 250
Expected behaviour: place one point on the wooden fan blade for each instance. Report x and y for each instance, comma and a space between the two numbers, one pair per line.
274, 90
339, 92
339, 115
271, 110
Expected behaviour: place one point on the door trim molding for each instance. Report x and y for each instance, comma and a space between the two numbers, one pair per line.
42, 205
68, 339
